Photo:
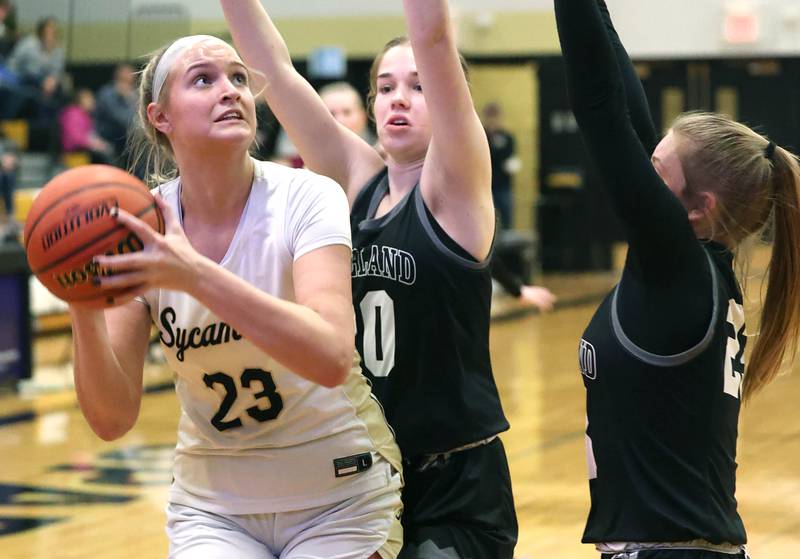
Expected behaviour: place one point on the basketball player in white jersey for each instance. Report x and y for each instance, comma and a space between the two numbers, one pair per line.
281, 452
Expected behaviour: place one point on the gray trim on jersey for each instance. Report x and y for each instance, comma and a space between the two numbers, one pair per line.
375, 223
430, 550
363, 192
443, 248
623, 550
380, 191
677, 358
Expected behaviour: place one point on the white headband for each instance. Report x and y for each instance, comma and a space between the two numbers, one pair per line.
168, 59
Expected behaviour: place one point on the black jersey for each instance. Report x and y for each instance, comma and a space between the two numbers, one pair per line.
661, 432
422, 325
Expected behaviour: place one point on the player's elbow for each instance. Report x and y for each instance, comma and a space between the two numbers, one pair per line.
111, 428
339, 365
111, 431
336, 375
333, 378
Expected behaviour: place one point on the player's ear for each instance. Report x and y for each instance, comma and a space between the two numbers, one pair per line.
703, 207
158, 118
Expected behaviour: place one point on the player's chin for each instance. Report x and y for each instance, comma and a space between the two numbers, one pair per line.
408, 148
234, 136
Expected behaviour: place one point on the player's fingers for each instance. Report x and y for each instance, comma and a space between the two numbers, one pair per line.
118, 281
116, 263
548, 301
171, 221
146, 233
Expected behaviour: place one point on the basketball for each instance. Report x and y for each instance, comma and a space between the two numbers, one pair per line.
70, 222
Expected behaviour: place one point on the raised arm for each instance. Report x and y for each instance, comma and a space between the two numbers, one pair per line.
326, 146
456, 177
667, 274
655, 222
638, 109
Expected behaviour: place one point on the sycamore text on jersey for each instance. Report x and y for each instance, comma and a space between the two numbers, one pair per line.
215, 333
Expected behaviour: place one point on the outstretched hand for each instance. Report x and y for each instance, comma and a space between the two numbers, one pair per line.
539, 297
167, 261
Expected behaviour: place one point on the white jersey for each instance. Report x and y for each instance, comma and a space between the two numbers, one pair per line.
253, 436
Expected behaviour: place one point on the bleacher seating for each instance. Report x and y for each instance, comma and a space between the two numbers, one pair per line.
16, 130
75, 159
23, 198
35, 169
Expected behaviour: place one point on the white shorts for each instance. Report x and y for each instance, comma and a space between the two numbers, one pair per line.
352, 529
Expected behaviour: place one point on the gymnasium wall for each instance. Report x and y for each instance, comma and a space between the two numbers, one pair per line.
107, 30
514, 49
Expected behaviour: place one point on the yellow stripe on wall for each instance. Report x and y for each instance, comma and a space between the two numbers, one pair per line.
504, 34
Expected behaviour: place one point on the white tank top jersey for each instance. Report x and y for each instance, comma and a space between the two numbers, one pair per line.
254, 437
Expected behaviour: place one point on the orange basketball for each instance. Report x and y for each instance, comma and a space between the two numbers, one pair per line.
70, 223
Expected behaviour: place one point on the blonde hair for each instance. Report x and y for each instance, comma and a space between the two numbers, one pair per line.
149, 148
340, 87
756, 184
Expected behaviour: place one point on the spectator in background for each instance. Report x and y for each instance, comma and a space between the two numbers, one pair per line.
78, 132
8, 150
8, 29
526, 295
286, 152
38, 62
8, 178
347, 107
504, 161
267, 130
116, 107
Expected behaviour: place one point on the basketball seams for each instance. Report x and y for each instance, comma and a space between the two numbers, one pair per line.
94, 240
107, 184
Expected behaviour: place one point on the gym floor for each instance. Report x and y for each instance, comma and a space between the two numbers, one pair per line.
65, 493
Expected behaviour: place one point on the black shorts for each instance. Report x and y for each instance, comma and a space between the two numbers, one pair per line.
459, 506
674, 554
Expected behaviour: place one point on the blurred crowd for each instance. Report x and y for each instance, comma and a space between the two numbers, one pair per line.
59, 116
62, 116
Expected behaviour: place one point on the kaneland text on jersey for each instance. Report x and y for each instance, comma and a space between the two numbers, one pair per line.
384, 262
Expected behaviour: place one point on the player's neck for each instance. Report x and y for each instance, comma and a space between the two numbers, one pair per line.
403, 176
215, 190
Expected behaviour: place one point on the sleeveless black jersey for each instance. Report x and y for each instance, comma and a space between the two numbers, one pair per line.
661, 432
422, 325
